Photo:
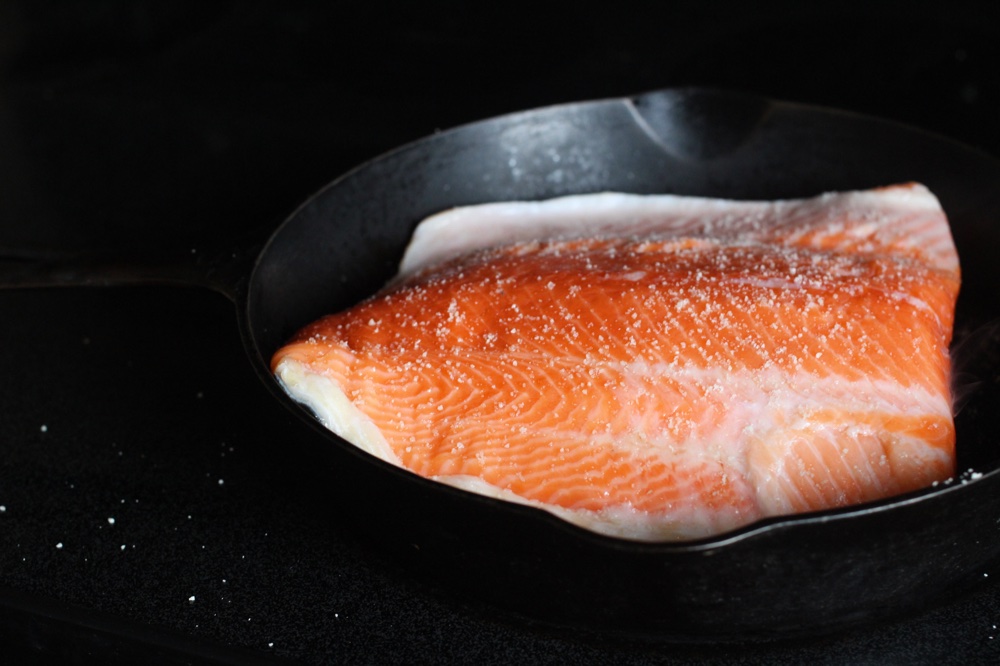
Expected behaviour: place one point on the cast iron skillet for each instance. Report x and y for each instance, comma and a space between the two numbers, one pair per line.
785, 576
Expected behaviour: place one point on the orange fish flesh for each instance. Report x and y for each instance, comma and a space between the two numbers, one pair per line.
655, 367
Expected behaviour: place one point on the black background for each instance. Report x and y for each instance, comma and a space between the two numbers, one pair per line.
126, 126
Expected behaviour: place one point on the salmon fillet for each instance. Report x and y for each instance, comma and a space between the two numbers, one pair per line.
655, 367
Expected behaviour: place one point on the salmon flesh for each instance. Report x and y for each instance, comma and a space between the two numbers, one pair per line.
655, 367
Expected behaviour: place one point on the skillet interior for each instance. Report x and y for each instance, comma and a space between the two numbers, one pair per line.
783, 576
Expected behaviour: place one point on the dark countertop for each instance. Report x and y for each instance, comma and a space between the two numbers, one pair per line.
156, 504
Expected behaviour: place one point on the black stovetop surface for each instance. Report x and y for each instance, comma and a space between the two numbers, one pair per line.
155, 506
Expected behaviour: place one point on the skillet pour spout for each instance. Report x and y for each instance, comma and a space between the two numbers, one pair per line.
786, 576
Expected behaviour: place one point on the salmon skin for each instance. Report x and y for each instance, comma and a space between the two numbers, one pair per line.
655, 367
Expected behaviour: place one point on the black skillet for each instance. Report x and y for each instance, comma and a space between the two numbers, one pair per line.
786, 576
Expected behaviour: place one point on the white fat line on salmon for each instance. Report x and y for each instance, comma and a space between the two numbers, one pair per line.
334, 409
675, 522
613, 214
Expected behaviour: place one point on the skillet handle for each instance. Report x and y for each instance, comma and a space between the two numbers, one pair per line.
224, 271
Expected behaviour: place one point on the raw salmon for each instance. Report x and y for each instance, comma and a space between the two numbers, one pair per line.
655, 367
